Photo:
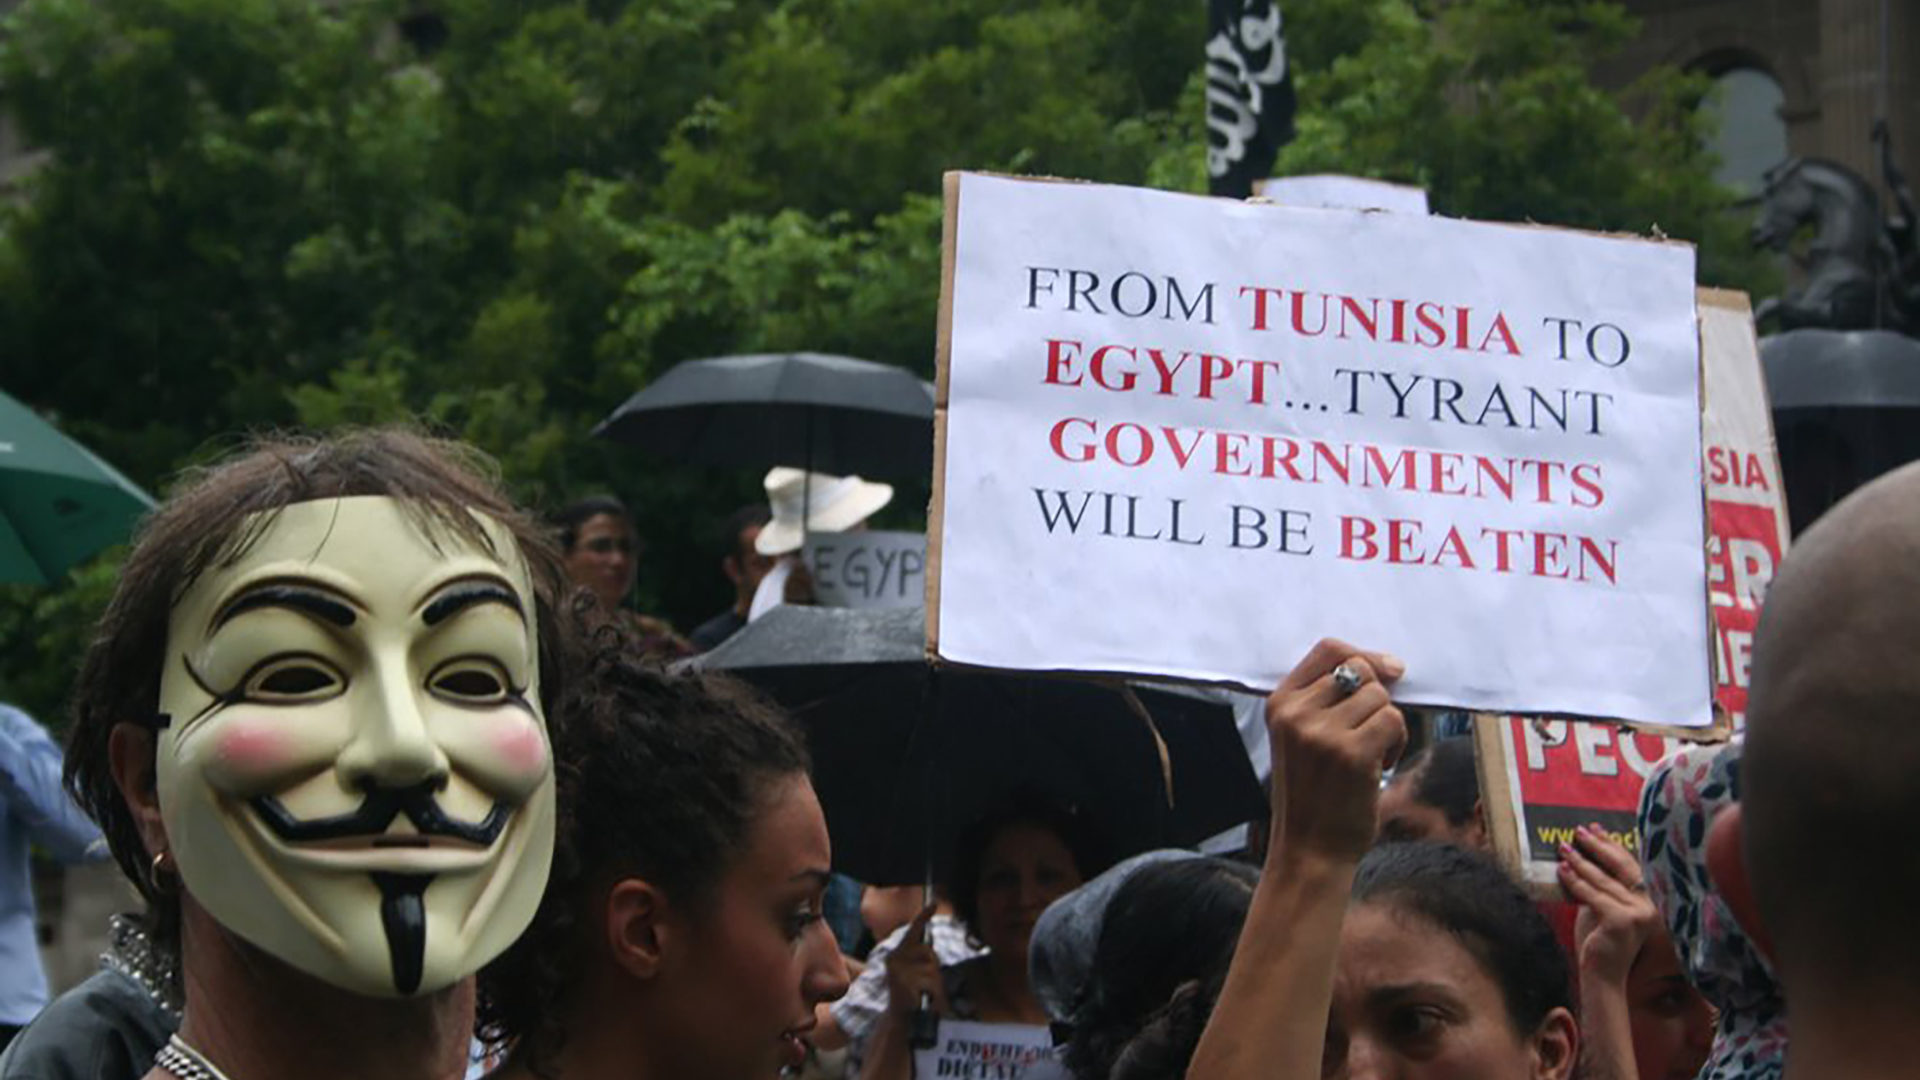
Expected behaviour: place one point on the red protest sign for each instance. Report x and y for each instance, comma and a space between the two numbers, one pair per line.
1541, 779
1743, 548
1746, 503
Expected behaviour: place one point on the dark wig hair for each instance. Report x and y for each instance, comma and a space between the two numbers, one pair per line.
212, 519
663, 778
1168, 924
1465, 894
567, 520
1023, 807
1444, 777
1166, 1042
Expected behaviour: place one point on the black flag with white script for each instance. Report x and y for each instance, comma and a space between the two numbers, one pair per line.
1250, 98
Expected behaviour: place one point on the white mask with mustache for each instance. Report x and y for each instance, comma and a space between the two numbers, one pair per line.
354, 771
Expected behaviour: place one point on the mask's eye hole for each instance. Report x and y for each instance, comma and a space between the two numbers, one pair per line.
471, 681
294, 679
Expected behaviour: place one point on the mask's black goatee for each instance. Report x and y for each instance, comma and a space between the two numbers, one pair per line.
404, 915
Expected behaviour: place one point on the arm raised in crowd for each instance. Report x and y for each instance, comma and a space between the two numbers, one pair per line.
1330, 746
1617, 925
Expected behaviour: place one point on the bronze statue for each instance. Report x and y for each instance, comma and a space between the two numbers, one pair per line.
1862, 273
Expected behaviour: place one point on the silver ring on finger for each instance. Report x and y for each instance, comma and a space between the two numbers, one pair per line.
1347, 679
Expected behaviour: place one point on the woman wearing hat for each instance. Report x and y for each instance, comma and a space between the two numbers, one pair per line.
805, 503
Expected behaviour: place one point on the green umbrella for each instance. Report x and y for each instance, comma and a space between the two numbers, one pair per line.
58, 502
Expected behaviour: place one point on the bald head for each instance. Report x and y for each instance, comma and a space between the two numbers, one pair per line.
1832, 765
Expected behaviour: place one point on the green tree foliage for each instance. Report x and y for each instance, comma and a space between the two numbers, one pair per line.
1489, 106
260, 213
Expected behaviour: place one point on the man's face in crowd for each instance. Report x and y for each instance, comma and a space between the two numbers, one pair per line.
1404, 818
747, 566
605, 558
355, 775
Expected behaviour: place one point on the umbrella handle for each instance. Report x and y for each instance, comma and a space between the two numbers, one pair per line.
924, 1033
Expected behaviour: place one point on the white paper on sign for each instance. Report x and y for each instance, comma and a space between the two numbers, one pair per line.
1344, 192
868, 568
1188, 437
970, 1050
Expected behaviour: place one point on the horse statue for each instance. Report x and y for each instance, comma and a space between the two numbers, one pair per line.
1857, 276
1842, 286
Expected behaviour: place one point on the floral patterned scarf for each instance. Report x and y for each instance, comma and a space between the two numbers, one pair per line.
1681, 797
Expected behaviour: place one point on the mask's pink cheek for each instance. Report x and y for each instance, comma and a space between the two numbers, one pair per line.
521, 749
248, 754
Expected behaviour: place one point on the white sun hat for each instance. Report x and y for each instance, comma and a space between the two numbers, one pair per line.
828, 503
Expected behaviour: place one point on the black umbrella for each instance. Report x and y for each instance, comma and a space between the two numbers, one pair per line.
1823, 369
1846, 408
907, 753
833, 414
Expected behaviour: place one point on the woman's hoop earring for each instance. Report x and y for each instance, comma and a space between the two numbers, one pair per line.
163, 863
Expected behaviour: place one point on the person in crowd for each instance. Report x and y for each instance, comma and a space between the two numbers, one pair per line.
1414, 960
801, 504
744, 566
1682, 797
886, 911
34, 811
1060, 956
1814, 860
1169, 924
681, 934
1640, 1015
308, 644
1007, 868
1446, 968
1441, 968
1435, 795
601, 552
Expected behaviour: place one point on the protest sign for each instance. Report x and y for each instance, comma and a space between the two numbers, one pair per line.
969, 1050
868, 568
1186, 437
1541, 779
1746, 502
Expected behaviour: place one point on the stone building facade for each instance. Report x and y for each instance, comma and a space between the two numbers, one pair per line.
1820, 72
